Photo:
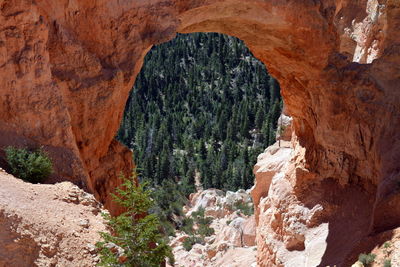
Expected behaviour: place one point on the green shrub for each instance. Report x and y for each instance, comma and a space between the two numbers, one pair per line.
387, 245
244, 208
135, 231
205, 230
187, 226
366, 259
169, 202
190, 241
387, 263
203, 223
31, 166
198, 213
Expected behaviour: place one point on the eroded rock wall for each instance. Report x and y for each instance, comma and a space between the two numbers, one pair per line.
317, 225
66, 68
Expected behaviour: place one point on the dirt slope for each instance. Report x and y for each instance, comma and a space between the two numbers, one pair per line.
47, 225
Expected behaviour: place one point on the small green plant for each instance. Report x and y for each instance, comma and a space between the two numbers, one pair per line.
31, 166
190, 241
203, 223
203, 228
135, 231
366, 259
228, 222
387, 263
187, 226
387, 245
386, 248
168, 202
243, 207
198, 213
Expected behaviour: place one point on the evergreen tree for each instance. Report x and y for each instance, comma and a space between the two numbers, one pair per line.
135, 231
201, 102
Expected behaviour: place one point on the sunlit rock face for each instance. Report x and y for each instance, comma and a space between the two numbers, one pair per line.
48, 225
233, 241
66, 68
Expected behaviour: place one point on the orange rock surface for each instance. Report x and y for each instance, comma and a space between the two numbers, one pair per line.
67, 66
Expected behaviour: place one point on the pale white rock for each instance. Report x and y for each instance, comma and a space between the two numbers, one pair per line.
232, 230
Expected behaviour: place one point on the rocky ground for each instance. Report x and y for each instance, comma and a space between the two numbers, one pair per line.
58, 225
385, 248
232, 244
47, 225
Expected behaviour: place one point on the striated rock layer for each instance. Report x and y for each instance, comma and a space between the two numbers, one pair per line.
66, 67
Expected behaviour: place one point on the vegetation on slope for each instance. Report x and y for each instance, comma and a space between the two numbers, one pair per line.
32, 166
135, 239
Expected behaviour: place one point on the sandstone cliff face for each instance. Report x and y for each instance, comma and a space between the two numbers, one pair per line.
326, 226
66, 68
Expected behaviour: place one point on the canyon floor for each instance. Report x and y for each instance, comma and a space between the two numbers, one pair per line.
233, 242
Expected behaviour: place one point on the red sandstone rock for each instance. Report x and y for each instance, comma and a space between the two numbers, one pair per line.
66, 68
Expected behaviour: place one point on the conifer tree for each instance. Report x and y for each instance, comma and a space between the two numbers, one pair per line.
135, 231
192, 93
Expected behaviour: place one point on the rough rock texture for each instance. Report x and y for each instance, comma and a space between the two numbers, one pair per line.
286, 234
386, 246
233, 242
303, 230
66, 68
215, 202
47, 225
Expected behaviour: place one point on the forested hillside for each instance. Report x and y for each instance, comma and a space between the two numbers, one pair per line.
202, 106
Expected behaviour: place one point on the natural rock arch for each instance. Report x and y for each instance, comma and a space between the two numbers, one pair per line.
66, 68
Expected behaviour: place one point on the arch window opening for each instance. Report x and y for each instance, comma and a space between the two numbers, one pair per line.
202, 109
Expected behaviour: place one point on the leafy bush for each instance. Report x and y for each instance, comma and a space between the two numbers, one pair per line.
244, 208
135, 231
198, 213
187, 226
203, 223
190, 241
387, 263
366, 259
203, 228
31, 166
169, 202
